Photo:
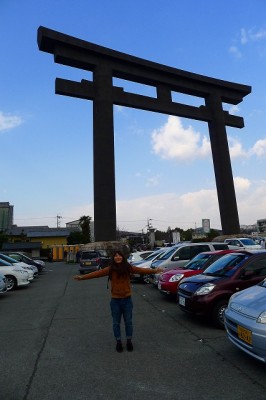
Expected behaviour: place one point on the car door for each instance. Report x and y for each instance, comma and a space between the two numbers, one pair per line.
253, 272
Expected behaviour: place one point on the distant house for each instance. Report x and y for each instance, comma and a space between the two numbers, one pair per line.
35, 239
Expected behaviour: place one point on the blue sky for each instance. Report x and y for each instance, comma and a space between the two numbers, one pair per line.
164, 168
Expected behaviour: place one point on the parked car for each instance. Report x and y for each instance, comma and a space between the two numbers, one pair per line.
169, 280
245, 320
3, 284
93, 260
22, 257
15, 276
242, 244
208, 293
146, 263
181, 254
139, 255
29, 268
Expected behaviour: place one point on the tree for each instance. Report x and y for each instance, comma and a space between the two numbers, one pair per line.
3, 239
75, 238
84, 223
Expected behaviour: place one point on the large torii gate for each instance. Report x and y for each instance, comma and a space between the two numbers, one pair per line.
105, 64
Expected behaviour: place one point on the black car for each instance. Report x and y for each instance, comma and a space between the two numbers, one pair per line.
93, 260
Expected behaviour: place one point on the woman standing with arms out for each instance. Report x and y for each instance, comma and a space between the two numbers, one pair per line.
121, 304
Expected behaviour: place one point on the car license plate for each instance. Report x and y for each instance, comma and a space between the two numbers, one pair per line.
244, 334
182, 301
159, 285
88, 263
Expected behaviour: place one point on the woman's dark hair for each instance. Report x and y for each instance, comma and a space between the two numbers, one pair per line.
123, 268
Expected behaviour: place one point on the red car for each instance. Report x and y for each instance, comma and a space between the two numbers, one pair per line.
169, 280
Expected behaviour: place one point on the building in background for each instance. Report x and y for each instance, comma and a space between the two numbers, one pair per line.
261, 225
6, 216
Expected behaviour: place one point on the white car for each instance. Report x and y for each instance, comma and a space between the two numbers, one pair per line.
21, 264
15, 276
242, 244
139, 255
146, 263
3, 284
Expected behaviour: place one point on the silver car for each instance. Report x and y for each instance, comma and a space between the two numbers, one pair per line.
245, 320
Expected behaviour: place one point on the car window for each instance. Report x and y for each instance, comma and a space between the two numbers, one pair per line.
257, 266
226, 265
220, 246
103, 253
183, 253
194, 250
15, 256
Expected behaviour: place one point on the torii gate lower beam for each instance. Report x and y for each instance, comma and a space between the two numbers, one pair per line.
106, 64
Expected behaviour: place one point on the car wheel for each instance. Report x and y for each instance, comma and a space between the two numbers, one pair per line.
11, 282
218, 313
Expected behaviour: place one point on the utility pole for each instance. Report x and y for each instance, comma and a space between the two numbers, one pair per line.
58, 217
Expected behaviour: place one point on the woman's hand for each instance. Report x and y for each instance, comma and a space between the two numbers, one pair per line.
159, 270
77, 277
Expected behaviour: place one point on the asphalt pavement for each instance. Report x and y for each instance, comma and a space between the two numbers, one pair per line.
57, 343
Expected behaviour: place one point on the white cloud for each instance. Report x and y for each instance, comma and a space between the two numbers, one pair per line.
173, 141
234, 50
153, 180
234, 110
185, 211
9, 121
235, 148
246, 37
259, 148
251, 35
241, 184
188, 210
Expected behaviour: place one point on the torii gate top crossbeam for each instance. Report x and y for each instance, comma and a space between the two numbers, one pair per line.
81, 54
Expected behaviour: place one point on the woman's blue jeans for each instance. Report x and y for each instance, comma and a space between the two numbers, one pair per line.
122, 307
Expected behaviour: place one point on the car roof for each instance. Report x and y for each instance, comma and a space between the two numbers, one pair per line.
224, 251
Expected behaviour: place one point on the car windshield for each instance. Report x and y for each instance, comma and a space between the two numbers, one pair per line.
248, 242
153, 256
89, 255
167, 254
197, 262
263, 283
226, 265
8, 259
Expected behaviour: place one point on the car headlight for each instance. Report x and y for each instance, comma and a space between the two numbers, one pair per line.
205, 289
262, 318
176, 277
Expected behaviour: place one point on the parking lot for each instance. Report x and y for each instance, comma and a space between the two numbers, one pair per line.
57, 343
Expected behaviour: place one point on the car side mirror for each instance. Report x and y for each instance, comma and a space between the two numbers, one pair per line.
247, 274
175, 258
